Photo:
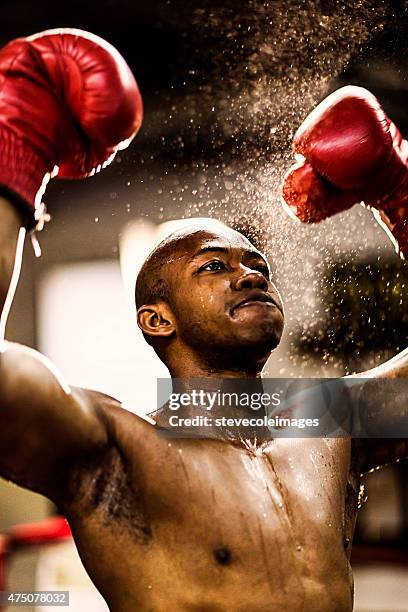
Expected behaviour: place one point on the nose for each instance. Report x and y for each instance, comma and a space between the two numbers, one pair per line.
251, 279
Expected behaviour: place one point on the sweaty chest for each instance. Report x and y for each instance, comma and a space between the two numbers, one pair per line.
278, 515
210, 513
228, 491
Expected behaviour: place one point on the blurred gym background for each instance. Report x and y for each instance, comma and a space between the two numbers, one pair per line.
224, 88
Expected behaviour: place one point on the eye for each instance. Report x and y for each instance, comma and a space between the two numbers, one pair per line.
213, 266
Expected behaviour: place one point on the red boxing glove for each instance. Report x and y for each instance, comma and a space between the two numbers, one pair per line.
68, 103
350, 152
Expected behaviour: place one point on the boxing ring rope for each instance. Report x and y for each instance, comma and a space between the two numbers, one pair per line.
42, 556
50, 531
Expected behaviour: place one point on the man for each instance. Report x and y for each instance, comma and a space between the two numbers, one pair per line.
185, 524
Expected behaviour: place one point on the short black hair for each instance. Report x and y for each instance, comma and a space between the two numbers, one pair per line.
152, 283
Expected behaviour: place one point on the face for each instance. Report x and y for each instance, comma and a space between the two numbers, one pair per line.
222, 295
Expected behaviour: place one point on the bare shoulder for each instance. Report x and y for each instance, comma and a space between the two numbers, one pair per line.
130, 433
120, 420
103, 479
68, 430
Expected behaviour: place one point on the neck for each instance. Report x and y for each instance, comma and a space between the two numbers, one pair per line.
192, 365
225, 409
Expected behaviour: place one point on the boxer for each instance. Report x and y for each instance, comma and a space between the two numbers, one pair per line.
161, 525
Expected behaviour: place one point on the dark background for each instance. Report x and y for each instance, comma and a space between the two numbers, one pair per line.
177, 54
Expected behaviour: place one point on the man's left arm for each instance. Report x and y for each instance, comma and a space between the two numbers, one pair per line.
383, 406
349, 151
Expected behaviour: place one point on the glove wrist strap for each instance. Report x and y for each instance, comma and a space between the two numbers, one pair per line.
23, 176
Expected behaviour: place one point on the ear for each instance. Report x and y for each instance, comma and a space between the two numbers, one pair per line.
156, 320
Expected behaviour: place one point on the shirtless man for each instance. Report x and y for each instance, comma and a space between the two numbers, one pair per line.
189, 524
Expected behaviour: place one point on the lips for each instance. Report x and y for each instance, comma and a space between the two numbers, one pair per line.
255, 297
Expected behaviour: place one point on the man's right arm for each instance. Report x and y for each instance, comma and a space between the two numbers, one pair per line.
68, 102
45, 426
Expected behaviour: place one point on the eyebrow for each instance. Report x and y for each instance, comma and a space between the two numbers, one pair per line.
210, 249
220, 249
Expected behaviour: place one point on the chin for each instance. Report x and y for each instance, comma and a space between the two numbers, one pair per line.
266, 338
259, 330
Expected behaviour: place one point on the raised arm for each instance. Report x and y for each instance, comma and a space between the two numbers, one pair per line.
68, 101
351, 152
383, 404
43, 423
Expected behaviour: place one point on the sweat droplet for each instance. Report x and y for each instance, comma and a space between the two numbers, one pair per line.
267, 65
